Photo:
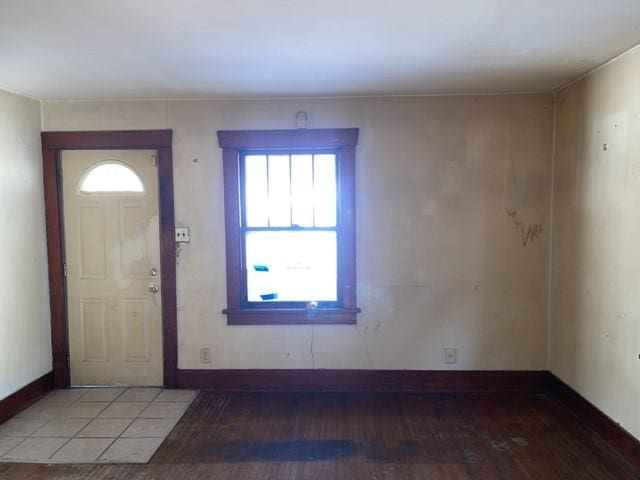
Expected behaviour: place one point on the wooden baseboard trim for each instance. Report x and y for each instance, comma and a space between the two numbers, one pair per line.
363, 380
18, 401
596, 420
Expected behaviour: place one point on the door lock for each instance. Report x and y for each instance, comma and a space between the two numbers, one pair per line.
153, 272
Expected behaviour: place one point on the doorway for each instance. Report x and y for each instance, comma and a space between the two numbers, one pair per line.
111, 248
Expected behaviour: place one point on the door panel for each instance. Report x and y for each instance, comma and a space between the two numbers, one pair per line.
92, 238
95, 343
112, 254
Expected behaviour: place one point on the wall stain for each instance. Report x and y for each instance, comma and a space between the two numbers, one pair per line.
528, 233
303, 450
291, 451
178, 252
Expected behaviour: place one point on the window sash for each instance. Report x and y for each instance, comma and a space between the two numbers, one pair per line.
244, 229
288, 304
288, 152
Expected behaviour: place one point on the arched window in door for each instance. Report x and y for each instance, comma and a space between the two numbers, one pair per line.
111, 177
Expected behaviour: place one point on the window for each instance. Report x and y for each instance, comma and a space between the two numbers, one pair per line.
110, 177
290, 226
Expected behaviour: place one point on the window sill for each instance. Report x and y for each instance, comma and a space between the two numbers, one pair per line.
291, 316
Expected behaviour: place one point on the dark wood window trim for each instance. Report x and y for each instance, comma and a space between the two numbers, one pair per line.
341, 140
52, 144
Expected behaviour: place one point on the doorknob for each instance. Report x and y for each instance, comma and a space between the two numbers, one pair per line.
154, 288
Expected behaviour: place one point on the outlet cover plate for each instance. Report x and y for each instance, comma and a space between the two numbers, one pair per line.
182, 234
205, 355
450, 355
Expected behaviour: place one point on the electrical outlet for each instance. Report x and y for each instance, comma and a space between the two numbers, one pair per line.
182, 234
450, 355
205, 355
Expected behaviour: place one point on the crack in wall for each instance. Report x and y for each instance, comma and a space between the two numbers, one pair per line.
366, 346
313, 357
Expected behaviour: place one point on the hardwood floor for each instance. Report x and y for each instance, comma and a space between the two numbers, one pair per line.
245, 436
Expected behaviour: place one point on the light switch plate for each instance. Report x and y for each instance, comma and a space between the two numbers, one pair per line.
182, 234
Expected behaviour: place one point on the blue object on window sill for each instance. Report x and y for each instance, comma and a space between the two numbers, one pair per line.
261, 268
269, 296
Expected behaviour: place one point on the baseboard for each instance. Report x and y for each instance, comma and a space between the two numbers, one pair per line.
18, 401
596, 420
363, 380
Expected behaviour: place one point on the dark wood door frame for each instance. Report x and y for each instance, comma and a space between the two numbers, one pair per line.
52, 144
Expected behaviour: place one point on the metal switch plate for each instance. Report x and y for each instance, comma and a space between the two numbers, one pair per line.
182, 234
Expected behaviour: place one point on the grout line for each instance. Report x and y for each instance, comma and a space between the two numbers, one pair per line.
68, 440
16, 446
105, 450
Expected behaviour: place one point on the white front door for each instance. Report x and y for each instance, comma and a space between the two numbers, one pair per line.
112, 255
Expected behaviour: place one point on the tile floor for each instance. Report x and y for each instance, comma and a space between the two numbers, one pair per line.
93, 425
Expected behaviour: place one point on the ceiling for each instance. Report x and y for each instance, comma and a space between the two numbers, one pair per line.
152, 49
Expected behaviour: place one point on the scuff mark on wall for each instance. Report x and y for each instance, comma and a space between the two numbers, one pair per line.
528, 233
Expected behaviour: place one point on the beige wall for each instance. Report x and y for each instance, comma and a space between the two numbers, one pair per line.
595, 304
453, 209
25, 336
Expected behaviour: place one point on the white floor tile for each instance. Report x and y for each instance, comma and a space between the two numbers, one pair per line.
35, 449
9, 443
164, 410
123, 410
150, 427
141, 394
65, 396
106, 394
82, 450
176, 396
61, 427
21, 427
131, 450
105, 428
85, 409
44, 410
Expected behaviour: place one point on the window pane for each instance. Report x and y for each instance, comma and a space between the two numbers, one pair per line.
256, 193
291, 266
111, 177
279, 191
324, 186
302, 190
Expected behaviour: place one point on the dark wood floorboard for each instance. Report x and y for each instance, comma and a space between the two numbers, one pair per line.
293, 436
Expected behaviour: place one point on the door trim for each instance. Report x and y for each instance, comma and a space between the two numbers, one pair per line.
52, 144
